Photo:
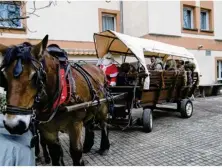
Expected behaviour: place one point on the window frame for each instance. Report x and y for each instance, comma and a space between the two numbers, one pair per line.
109, 15
207, 19
197, 7
192, 17
219, 70
18, 4
23, 22
115, 13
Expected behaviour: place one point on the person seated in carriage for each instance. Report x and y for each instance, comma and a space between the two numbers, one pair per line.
126, 75
109, 68
180, 65
171, 65
190, 68
156, 64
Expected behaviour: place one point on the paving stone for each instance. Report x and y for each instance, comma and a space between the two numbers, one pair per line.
174, 141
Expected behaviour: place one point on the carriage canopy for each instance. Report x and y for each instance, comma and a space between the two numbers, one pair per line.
114, 42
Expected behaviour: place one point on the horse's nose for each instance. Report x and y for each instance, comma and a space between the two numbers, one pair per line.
20, 128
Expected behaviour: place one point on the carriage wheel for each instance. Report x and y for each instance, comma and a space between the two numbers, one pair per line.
178, 105
186, 108
147, 120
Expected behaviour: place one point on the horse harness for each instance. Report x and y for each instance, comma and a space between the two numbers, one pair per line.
23, 52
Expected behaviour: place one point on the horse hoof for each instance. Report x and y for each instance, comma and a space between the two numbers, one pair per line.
103, 152
86, 150
37, 158
82, 163
47, 160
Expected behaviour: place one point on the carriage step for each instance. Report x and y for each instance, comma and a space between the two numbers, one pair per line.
119, 121
119, 110
119, 106
123, 121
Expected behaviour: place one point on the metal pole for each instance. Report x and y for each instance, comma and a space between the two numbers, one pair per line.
121, 16
91, 103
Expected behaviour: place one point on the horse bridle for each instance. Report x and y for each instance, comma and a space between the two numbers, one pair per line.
39, 83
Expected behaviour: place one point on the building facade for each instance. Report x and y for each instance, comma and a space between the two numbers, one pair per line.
195, 25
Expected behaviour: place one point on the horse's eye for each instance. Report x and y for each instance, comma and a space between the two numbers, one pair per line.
33, 73
3, 80
33, 78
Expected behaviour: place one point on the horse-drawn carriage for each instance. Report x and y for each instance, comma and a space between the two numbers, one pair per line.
43, 88
150, 87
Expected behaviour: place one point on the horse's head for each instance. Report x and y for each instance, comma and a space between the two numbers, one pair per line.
23, 72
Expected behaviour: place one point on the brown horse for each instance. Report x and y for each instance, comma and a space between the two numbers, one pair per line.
32, 80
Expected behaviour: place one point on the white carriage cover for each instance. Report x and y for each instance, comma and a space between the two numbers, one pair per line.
124, 44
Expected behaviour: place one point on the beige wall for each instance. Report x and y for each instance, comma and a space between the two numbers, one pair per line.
135, 17
207, 65
164, 17
156, 17
78, 20
75, 21
217, 19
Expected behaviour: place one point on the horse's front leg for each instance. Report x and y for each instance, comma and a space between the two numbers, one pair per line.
56, 153
44, 149
105, 144
55, 149
76, 135
37, 148
89, 136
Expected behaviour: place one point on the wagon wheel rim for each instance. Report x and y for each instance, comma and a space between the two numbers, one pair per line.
151, 120
189, 109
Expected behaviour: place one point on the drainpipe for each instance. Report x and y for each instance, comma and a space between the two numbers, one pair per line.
121, 21
121, 16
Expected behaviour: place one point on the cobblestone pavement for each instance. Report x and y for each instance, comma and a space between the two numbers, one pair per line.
174, 141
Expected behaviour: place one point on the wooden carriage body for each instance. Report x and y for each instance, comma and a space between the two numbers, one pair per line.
165, 86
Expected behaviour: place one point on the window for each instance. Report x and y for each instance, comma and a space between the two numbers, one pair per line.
219, 70
108, 22
9, 10
188, 18
204, 23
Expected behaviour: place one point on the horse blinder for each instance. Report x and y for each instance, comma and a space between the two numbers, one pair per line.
3, 82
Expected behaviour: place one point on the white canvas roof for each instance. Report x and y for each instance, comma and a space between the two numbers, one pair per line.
111, 41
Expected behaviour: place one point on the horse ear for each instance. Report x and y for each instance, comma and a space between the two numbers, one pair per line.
39, 49
3, 49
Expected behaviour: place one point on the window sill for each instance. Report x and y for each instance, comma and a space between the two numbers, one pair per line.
187, 29
12, 30
219, 40
190, 31
207, 31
